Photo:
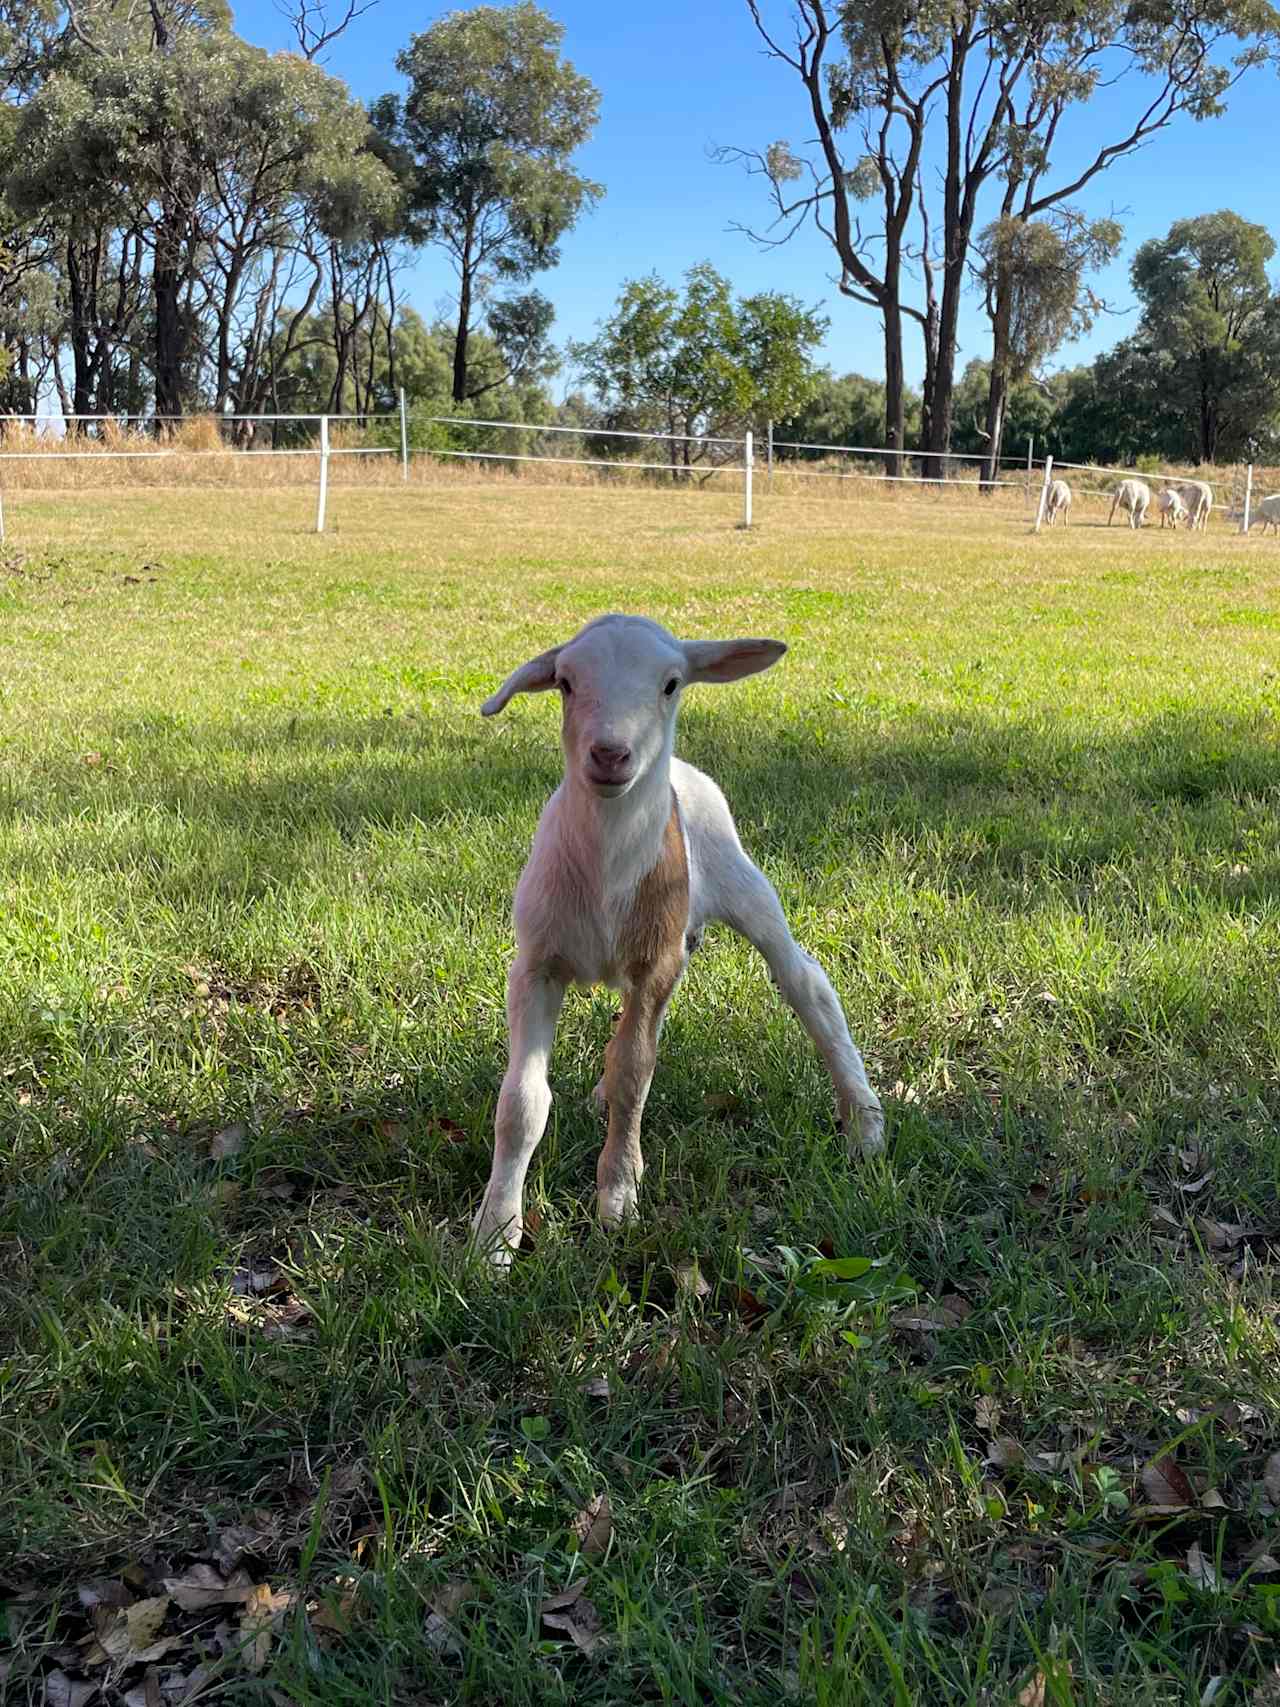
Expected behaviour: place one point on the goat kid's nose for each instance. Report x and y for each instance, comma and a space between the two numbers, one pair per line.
609, 756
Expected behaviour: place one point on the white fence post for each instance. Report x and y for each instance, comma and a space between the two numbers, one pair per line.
747, 463
1044, 493
1244, 520
769, 454
1031, 445
323, 497
404, 438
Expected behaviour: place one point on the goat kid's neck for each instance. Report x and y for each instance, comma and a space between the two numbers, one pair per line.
623, 838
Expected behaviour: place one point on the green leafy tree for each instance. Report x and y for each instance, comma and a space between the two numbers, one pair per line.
490, 122
698, 363
846, 411
1033, 276
1209, 312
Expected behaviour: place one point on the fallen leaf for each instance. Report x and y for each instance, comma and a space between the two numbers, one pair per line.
289, 1320
103, 1591
1267, 1693
1189, 1187
956, 1306
125, 1636
1212, 1500
1271, 1479
1032, 1693
200, 1586
728, 1106
147, 1693
1038, 1195
441, 1635
229, 1142
986, 1413
449, 1130
91, 759
690, 1281
595, 1387
237, 1539
263, 1607
255, 1282
1200, 1569
1165, 1216
572, 1614
1209, 1694
450, 1596
593, 1526
1005, 1453
63, 1691
750, 1307
934, 1319
1165, 1483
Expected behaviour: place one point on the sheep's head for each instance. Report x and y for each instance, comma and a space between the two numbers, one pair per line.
620, 681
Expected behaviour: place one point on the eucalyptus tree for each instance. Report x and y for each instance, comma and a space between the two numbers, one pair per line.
491, 121
981, 91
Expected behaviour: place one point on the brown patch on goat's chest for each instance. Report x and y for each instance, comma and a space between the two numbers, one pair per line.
653, 931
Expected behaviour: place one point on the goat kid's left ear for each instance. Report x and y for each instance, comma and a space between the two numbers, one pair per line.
728, 660
537, 676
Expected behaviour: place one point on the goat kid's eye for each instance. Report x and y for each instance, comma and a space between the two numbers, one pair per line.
671, 687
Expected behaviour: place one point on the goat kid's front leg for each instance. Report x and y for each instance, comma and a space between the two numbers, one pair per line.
534, 999
628, 1072
756, 913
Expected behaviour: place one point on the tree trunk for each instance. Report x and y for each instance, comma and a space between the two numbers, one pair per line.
998, 386
166, 286
463, 332
895, 422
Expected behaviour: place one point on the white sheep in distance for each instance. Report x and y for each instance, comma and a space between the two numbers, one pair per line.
1058, 503
1197, 495
634, 853
1266, 511
1133, 496
1171, 507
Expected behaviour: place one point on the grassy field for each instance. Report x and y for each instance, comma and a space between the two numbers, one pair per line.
266, 1434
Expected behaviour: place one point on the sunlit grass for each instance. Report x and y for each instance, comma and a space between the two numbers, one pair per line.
256, 856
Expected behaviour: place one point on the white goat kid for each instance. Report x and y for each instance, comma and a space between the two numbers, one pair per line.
1197, 495
1171, 507
1058, 503
1133, 496
633, 854
1267, 511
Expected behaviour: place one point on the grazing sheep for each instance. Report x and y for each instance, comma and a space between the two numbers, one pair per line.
1171, 507
634, 853
1058, 503
1197, 495
1266, 511
1133, 496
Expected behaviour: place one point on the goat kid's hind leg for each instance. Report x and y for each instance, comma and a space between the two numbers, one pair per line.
628, 1072
534, 999
757, 914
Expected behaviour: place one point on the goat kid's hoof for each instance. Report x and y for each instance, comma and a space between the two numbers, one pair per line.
615, 1204
496, 1239
863, 1128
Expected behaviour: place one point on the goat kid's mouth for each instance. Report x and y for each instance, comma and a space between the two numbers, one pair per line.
608, 784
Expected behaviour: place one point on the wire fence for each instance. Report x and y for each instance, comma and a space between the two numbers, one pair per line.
33, 446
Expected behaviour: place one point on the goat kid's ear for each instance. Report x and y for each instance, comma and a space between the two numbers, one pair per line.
536, 676
727, 660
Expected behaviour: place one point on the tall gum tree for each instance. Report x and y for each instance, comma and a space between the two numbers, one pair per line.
918, 113
491, 120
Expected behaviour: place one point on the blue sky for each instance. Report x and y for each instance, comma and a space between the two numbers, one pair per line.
676, 79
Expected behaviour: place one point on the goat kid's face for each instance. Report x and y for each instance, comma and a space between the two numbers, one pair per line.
620, 681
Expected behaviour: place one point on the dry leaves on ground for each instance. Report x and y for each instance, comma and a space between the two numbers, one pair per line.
227, 1143
200, 1587
593, 1526
571, 1614
1166, 1484
260, 1616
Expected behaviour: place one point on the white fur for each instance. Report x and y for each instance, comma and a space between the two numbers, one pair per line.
1133, 496
1171, 507
594, 846
1266, 511
1197, 495
1058, 503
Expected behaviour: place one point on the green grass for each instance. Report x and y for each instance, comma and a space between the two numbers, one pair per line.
256, 858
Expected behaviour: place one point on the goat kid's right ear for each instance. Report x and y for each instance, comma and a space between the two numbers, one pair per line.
728, 660
536, 676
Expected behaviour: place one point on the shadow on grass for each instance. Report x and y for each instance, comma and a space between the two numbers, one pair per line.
974, 799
